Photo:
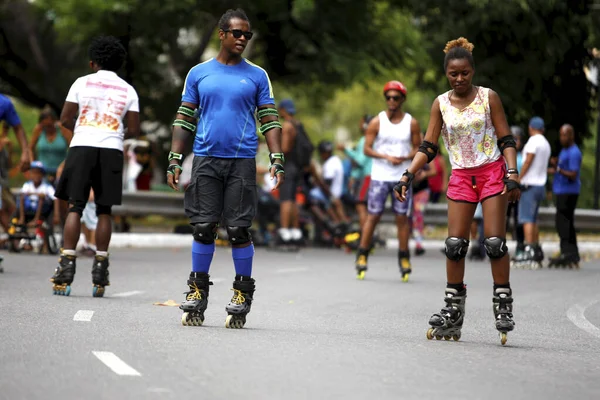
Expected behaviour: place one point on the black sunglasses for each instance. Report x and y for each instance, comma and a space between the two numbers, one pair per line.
395, 98
237, 33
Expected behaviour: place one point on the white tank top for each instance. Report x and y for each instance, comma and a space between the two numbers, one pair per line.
393, 140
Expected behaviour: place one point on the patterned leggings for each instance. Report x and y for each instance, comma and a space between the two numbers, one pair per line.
420, 200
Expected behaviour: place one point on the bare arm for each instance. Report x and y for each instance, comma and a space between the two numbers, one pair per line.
67, 133
370, 136
571, 175
415, 136
288, 134
133, 124
38, 211
179, 137
502, 129
273, 138
68, 114
25, 152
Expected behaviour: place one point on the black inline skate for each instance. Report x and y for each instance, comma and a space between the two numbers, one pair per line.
448, 323
531, 258
503, 312
64, 275
564, 261
100, 275
241, 302
196, 299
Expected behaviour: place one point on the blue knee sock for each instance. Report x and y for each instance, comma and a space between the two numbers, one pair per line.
242, 260
202, 255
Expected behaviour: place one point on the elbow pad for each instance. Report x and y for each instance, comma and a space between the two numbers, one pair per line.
506, 142
429, 149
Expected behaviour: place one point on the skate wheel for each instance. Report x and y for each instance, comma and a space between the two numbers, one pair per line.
503, 338
438, 337
189, 319
67, 291
405, 277
234, 322
447, 337
361, 275
430, 333
98, 291
456, 338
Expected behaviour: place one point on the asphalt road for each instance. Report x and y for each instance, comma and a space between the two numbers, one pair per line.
314, 332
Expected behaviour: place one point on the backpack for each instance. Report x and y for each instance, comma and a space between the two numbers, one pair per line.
303, 148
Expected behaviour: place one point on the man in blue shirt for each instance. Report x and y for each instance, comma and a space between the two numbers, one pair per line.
566, 188
9, 115
219, 102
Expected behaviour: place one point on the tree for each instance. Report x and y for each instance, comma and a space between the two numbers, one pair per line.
531, 52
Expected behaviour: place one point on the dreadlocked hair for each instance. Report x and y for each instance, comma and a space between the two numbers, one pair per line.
225, 20
107, 52
459, 49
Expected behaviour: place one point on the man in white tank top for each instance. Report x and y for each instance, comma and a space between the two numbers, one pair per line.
392, 139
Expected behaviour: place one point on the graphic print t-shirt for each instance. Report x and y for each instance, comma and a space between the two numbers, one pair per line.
104, 99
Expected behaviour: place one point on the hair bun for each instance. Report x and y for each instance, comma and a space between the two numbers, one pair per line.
460, 42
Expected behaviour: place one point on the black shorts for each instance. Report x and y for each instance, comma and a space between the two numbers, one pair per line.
92, 167
293, 179
222, 189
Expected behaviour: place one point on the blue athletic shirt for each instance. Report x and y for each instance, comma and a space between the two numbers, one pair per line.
8, 112
227, 97
569, 159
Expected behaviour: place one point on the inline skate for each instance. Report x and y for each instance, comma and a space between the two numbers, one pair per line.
241, 302
404, 265
196, 299
64, 275
448, 323
503, 312
100, 275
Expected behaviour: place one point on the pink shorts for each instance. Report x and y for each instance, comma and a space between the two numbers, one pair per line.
473, 185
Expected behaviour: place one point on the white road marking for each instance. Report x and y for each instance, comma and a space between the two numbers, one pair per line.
577, 316
117, 365
127, 294
290, 270
83, 315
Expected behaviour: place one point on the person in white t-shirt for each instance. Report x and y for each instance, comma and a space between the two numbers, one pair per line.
392, 140
534, 174
37, 196
103, 102
333, 180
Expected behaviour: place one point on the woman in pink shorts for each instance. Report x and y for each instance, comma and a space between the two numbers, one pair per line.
472, 122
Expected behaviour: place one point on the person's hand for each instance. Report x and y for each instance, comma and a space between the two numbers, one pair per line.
512, 187
403, 185
277, 172
173, 172
395, 160
341, 146
25, 160
551, 171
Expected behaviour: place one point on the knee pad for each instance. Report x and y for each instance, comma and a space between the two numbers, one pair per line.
205, 232
495, 247
238, 234
456, 248
77, 207
103, 210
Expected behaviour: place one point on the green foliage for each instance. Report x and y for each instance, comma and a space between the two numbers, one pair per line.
530, 52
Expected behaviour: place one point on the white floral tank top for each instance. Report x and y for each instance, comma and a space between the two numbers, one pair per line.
469, 134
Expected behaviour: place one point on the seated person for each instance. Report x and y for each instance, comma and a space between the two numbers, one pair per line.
36, 198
